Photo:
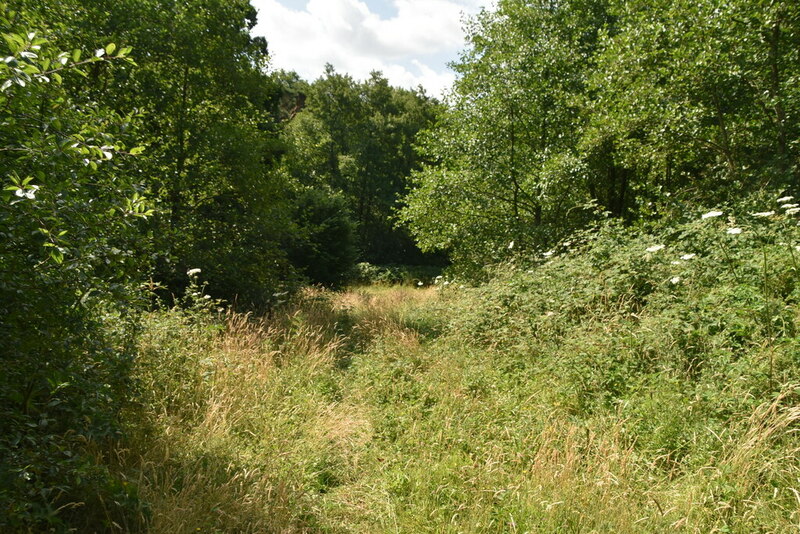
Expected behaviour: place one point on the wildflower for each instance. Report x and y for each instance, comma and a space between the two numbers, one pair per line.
675, 280
763, 214
687, 257
548, 254
789, 206
792, 211
420, 284
711, 214
192, 272
29, 193
510, 245
785, 199
655, 248
734, 231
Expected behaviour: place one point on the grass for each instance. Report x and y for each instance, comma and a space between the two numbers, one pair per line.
589, 393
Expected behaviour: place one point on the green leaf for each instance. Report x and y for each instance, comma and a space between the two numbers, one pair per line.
110, 47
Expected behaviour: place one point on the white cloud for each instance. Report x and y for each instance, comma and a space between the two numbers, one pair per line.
411, 47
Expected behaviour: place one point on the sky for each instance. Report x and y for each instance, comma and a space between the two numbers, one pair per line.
410, 41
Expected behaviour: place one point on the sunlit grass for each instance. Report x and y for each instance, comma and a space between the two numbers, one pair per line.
394, 409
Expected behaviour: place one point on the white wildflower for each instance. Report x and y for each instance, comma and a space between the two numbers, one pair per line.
792, 211
420, 284
655, 248
29, 193
510, 245
192, 272
789, 206
675, 280
548, 254
785, 199
687, 257
711, 214
763, 214
734, 231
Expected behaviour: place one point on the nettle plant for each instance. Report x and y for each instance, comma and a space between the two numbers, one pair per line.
70, 248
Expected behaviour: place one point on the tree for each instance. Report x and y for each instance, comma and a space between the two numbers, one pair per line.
211, 135
70, 213
357, 139
505, 172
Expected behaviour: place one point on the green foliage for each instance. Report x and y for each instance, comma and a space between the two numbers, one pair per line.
324, 245
70, 215
356, 138
636, 108
209, 135
701, 312
410, 275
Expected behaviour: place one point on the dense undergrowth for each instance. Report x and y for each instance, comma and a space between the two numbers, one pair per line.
626, 382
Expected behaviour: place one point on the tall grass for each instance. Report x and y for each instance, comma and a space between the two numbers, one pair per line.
593, 392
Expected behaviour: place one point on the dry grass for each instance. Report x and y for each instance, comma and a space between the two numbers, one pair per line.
341, 414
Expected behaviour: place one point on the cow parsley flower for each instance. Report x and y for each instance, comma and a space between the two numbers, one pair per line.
711, 214
675, 280
734, 231
655, 248
192, 272
785, 199
792, 211
763, 214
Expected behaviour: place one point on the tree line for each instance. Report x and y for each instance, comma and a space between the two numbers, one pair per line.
567, 110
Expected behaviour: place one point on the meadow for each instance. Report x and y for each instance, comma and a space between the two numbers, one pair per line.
624, 382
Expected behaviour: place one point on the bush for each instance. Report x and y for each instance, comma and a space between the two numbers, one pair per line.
324, 243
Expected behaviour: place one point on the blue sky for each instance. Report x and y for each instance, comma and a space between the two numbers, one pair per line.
411, 41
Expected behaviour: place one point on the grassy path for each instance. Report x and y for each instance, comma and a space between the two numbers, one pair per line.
361, 412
